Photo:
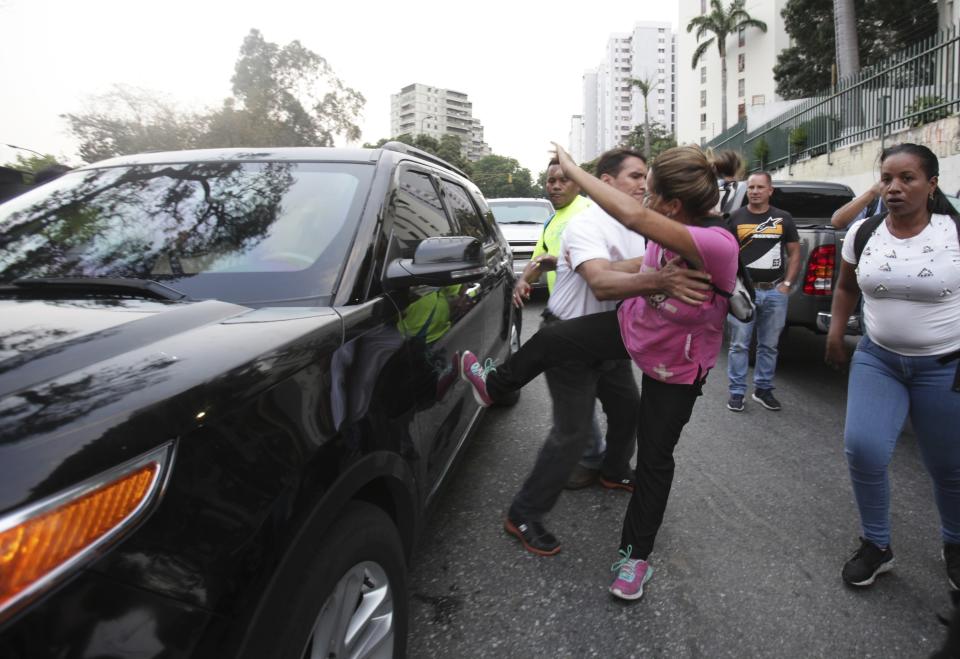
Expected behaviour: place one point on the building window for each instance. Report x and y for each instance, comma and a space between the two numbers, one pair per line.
703, 74
741, 87
703, 98
741, 62
758, 99
741, 37
703, 121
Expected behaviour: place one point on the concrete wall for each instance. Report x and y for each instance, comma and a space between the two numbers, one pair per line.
859, 166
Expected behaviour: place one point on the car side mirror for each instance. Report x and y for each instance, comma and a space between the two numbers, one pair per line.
438, 261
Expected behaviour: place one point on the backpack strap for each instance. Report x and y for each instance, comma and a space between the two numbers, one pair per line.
865, 232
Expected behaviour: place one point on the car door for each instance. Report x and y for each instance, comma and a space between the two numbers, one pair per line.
491, 294
436, 324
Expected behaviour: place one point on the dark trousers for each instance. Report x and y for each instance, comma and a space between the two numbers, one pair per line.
664, 410
574, 387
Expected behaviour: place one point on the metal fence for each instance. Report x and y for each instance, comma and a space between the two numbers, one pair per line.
915, 86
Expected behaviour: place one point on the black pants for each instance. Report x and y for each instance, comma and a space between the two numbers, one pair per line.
574, 388
664, 411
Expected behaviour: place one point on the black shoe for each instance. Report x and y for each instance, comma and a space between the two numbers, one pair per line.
581, 477
951, 556
868, 561
534, 537
735, 404
765, 398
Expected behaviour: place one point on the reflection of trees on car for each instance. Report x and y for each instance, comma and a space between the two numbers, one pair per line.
96, 228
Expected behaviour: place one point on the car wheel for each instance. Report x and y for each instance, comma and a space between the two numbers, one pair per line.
350, 600
513, 398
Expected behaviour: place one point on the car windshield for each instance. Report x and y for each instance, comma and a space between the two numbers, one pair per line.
249, 233
512, 212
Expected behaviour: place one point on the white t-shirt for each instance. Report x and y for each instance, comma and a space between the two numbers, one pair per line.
911, 287
591, 234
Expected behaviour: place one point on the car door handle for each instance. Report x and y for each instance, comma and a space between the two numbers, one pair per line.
472, 290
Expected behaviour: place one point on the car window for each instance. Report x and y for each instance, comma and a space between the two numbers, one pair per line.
509, 212
809, 204
471, 224
241, 232
417, 214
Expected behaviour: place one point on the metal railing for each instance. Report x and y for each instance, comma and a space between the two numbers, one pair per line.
915, 86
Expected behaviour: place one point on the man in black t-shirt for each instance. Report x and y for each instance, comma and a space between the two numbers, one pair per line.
770, 249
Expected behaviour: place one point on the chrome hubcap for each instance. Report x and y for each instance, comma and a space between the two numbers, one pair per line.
356, 621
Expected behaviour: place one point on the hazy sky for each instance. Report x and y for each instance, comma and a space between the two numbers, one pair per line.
520, 61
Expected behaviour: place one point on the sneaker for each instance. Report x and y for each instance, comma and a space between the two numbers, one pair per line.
951, 556
765, 398
581, 477
476, 375
632, 574
533, 536
866, 563
735, 404
624, 483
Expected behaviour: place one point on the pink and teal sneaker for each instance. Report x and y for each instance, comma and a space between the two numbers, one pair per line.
632, 574
476, 375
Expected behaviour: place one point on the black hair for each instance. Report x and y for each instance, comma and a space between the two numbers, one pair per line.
938, 203
611, 162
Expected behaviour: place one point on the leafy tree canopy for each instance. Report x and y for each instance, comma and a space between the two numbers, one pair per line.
448, 147
500, 176
282, 96
883, 27
32, 163
661, 139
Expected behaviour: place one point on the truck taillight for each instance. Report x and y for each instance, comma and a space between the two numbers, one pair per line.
819, 277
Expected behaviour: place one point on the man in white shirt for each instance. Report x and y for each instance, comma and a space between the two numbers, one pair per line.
598, 257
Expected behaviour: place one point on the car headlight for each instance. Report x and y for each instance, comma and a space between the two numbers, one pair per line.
43, 542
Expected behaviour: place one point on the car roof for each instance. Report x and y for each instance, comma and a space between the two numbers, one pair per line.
518, 199
811, 184
323, 154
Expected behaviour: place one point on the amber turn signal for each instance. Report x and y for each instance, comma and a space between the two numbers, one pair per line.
47, 540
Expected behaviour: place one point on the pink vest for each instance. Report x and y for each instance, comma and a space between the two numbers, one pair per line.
672, 341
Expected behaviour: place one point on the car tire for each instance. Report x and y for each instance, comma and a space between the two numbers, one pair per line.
351, 597
514, 397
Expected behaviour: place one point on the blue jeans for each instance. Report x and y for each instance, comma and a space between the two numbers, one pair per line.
883, 389
770, 316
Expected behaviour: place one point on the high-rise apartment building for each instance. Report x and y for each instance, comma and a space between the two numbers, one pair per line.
612, 106
422, 109
751, 55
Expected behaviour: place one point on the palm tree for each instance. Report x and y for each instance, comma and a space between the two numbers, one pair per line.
645, 85
722, 23
845, 31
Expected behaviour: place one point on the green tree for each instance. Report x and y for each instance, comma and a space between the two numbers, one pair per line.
286, 96
883, 28
661, 139
448, 147
721, 23
282, 96
645, 86
131, 120
32, 163
501, 176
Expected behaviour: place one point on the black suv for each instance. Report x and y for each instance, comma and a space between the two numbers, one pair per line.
229, 393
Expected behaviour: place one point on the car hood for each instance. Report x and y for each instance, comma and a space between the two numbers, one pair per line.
85, 385
521, 232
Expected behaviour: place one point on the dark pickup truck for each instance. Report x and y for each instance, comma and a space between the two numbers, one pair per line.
811, 203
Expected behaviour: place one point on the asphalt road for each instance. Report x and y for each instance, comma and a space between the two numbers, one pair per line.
747, 563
